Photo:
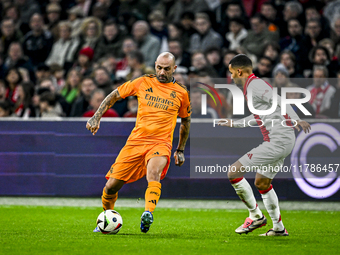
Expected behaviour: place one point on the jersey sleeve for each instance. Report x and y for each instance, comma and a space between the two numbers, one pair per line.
185, 109
130, 88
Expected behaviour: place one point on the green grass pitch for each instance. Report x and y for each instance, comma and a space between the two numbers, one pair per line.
68, 230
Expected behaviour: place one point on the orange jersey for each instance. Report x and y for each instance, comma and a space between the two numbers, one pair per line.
159, 104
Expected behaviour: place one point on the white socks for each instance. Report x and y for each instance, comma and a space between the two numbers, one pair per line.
271, 202
245, 192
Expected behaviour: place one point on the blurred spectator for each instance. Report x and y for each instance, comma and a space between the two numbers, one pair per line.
335, 32
3, 91
75, 17
61, 106
227, 56
96, 98
182, 57
294, 41
264, 67
321, 92
85, 5
137, 65
201, 64
53, 17
128, 46
140, 8
5, 109
164, 6
258, 36
64, 49
281, 78
23, 107
213, 55
24, 74
91, 30
132, 106
287, 58
157, 27
196, 106
84, 61
81, 104
272, 51
38, 42
232, 9
16, 58
182, 6
176, 32
237, 33
149, 45
329, 45
187, 26
48, 106
181, 78
205, 37
268, 10
110, 63
27, 8
292, 10
110, 42
331, 10
12, 12
312, 13
72, 86
58, 74
102, 79
42, 71
9, 34
319, 55
313, 35
100, 11
12, 81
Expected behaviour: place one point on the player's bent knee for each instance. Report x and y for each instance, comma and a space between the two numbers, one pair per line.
262, 185
235, 171
113, 185
153, 174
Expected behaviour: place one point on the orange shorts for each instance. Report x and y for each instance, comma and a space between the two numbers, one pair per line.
130, 165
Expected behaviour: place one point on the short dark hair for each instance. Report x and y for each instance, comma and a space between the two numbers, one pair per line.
137, 55
241, 61
260, 17
48, 97
266, 58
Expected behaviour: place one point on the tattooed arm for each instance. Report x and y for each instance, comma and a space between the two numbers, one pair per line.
183, 137
108, 102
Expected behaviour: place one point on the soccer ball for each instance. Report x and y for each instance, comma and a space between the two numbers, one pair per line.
109, 222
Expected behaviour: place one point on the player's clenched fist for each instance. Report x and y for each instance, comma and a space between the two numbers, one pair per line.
92, 125
179, 158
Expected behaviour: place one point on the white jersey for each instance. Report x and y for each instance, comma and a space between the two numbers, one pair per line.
273, 126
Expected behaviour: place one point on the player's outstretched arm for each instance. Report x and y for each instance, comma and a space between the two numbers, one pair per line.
304, 125
93, 123
183, 137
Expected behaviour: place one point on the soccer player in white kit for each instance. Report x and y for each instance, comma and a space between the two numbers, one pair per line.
268, 157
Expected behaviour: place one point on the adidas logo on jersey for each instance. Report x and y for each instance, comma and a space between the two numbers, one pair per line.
250, 155
149, 90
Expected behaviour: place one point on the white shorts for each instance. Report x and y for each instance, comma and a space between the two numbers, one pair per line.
267, 158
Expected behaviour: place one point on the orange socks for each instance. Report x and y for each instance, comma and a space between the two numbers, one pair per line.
109, 200
152, 195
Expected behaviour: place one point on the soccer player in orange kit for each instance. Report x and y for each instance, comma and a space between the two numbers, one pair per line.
148, 149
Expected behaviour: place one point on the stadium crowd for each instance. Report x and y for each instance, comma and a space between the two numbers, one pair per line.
62, 57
